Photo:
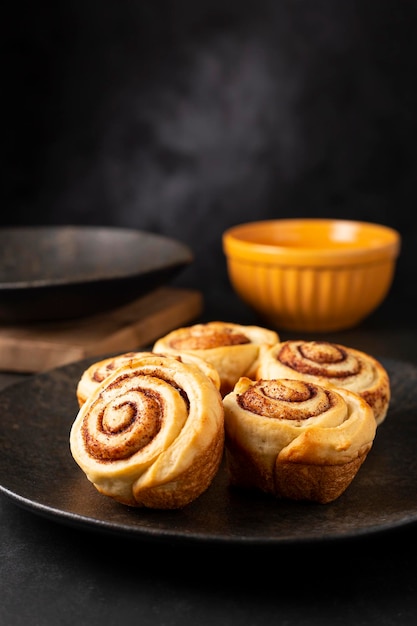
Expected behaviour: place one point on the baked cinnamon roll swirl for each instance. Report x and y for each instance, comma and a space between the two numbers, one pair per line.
232, 349
151, 434
294, 439
94, 375
324, 362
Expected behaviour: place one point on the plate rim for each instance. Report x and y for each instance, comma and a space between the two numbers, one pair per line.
88, 523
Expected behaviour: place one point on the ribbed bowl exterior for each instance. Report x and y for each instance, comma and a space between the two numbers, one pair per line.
313, 298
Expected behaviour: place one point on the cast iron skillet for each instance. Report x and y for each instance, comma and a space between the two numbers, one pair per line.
64, 272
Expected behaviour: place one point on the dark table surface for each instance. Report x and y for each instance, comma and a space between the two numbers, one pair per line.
53, 573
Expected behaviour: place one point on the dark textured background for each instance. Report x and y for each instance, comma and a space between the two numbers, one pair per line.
184, 117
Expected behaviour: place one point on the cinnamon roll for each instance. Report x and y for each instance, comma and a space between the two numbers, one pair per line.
151, 434
232, 349
295, 439
97, 372
325, 362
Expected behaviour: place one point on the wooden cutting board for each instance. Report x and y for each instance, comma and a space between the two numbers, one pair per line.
42, 346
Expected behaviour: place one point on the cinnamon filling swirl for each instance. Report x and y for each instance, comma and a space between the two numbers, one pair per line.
319, 358
125, 419
286, 399
123, 426
206, 338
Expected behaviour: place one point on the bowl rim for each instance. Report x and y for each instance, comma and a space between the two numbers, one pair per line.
236, 246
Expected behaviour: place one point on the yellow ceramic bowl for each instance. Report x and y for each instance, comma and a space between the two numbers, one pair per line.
311, 274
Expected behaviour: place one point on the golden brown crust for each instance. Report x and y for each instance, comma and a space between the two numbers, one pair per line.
152, 433
330, 363
233, 350
197, 479
296, 439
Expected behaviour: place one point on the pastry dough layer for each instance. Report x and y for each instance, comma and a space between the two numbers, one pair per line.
296, 439
232, 349
152, 433
324, 362
94, 375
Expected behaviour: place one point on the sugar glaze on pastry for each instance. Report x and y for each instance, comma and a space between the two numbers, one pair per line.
325, 362
233, 349
295, 439
151, 434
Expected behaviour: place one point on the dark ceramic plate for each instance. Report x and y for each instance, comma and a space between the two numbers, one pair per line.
38, 473
63, 272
